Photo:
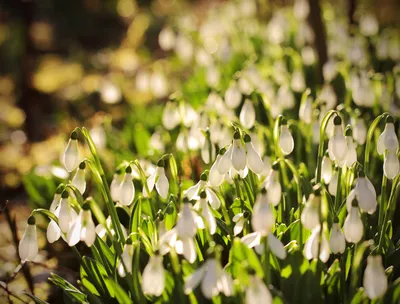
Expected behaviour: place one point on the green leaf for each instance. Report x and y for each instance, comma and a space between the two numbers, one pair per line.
36, 299
118, 292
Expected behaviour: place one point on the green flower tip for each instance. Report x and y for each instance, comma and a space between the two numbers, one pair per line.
263, 191
236, 135
203, 194
283, 121
348, 131
156, 252
118, 171
31, 220
86, 206
128, 170
336, 220
246, 214
161, 163
128, 241
204, 176
389, 119
251, 271
354, 203
222, 151
160, 216
186, 200
317, 190
60, 189
275, 166
82, 165
337, 121
247, 138
65, 194
74, 135
361, 173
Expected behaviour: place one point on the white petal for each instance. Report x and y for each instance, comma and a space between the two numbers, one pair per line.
225, 284
276, 247
213, 198
79, 180
153, 278
209, 286
238, 156
225, 163
28, 246
53, 232
215, 178
194, 279
210, 219
126, 190
247, 114
254, 161
189, 250
251, 239
162, 184
74, 233
257, 292
239, 226
193, 192
151, 180
286, 142
391, 165
186, 225
71, 157
353, 226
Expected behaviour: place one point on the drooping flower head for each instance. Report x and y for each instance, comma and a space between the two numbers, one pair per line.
28, 245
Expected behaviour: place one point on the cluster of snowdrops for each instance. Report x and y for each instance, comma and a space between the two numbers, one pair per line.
281, 175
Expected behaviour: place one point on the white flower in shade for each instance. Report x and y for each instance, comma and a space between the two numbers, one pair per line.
359, 131
215, 178
351, 156
159, 179
206, 213
326, 169
332, 187
337, 146
115, 186
337, 241
263, 217
312, 244
170, 117
305, 111
310, 215
66, 215
274, 244
213, 280
391, 165
388, 139
153, 277
166, 39
257, 292
125, 264
297, 83
286, 142
365, 193
375, 280
301, 10
233, 97
273, 187
240, 220
71, 158
254, 162
353, 226
28, 245
369, 25
127, 188
238, 158
247, 114
78, 180
83, 229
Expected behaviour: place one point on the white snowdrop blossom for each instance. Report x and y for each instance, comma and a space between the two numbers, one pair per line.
83, 228
115, 186
171, 116
305, 111
72, 158
326, 169
254, 161
213, 280
127, 188
125, 263
238, 157
337, 242
286, 142
159, 180
66, 214
257, 292
359, 131
153, 277
369, 25
240, 220
79, 180
332, 187
337, 146
263, 217
311, 247
193, 192
310, 215
365, 194
247, 114
353, 226
274, 244
391, 165
204, 209
274, 188
215, 178
28, 245
388, 139
298, 83
351, 156
166, 39
375, 281
233, 96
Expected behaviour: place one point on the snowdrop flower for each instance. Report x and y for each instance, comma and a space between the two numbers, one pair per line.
286, 142
308, 55
375, 280
66, 215
127, 188
351, 156
71, 158
206, 213
83, 228
274, 244
28, 245
247, 114
391, 165
297, 83
240, 219
254, 162
225, 162
53, 232
326, 169
110, 93
369, 25
273, 187
125, 264
78, 180
184, 48
233, 97
359, 131
263, 217
388, 139
56, 199
215, 178
186, 229
193, 192
328, 96
312, 244
332, 187
301, 9
99, 136
310, 215
305, 111
257, 292
353, 226
115, 185
159, 179
285, 96
266, 168
213, 280
362, 91
337, 146
170, 117
101, 229
337, 241
153, 277
238, 157
365, 193
329, 70
166, 39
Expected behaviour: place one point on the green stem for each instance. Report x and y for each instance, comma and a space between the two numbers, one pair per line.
382, 202
267, 274
338, 190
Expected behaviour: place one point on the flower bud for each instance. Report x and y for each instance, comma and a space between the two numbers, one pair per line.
28, 246
353, 226
71, 158
286, 142
337, 241
391, 165
127, 188
375, 280
247, 114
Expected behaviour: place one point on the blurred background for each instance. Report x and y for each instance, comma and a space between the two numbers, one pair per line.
99, 64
